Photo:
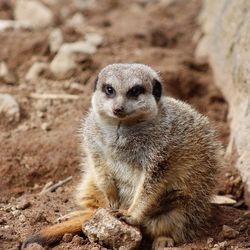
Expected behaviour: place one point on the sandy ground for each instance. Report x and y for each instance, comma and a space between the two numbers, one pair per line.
30, 156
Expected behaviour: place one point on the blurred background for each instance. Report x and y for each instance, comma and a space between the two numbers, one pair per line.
50, 53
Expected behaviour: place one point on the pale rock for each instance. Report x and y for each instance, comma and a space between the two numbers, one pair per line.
22, 218
228, 232
55, 40
34, 246
105, 229
14, 25
222, 200
85, 4
9, 107
77, 22
34, 13
94, 38
226, 41
6, 75
64, 63
36, 70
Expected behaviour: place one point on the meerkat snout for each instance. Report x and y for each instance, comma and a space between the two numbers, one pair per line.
127, 92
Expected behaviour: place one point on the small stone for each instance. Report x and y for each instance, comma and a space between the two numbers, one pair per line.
35, 71
14, 25
228, 232
210, 242
75, 88
105, 229
77, 240
94, 38
34, 13
22, 218
223, 244
77, 22
84, 5
34, 246
247, 215
67, 237
64, 63
55, 40
23, 204
16, 212
45, 126
9, 107
6, 75
222, 200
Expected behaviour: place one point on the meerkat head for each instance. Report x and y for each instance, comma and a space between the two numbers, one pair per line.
127, 93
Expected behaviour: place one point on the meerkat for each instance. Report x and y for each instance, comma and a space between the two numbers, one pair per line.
152, 158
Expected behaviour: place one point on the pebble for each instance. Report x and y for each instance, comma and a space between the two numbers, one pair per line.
64, 63
22, 218
13, 25
247, 215
45, 126
16, 212
35, 71
6, 75
67, 237
94, 38
78, 240
34, 13
9, 107
34, 246
228, 232
23, 204
55, 40
77, 22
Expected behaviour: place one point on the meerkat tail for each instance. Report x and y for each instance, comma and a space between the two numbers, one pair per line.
53, 234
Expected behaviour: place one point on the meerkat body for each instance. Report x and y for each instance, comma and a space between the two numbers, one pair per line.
151, 157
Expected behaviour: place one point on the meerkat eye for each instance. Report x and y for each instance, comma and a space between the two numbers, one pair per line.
108, 90
136, 91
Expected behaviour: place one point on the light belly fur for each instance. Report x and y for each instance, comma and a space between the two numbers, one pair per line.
128, 179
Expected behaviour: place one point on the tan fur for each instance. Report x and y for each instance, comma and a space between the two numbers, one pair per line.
156, 162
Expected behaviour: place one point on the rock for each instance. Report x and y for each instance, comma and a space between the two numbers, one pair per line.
67, 237
23, 204
13, 25
225, 25
35, 71
94, 38
77, 22
45, 126
6, 75
107, 230
55, 40
247, 215
34, 246
22, 218
222, 200
85, 4
34, 13
78, 240
64, 63
210, 242
9, 107
228, 232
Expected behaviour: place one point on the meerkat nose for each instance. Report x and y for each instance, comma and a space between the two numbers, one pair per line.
119, 111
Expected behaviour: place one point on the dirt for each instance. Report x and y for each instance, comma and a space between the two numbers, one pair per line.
134, 31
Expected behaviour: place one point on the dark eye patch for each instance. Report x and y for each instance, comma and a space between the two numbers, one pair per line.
108, 90
136, 91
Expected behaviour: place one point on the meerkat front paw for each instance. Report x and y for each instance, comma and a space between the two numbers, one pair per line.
126, 217
113, 204
160, 243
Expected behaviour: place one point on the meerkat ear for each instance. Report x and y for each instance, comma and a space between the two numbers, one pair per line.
157, 89
95, 83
